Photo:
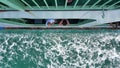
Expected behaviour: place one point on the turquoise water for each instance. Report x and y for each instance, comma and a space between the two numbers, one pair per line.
59, 48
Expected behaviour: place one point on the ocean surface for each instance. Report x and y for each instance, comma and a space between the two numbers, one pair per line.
60, 48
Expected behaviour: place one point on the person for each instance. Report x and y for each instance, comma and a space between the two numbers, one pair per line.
50, 22
64, 22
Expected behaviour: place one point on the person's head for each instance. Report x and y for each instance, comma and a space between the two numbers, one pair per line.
64, 23
49, 22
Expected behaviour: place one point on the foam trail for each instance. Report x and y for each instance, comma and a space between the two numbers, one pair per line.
60, 49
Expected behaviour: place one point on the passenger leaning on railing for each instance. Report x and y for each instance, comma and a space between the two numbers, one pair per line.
50, 22
64, 22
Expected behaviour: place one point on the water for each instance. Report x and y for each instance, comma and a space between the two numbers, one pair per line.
60, 48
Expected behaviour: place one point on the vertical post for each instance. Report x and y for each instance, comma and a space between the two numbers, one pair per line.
36, 3
118, 6
26, 3
85, 3
105, 3
75, 3
66, 3
114, 4
46, 4
56, 3
95, 3
14, 4
2, 6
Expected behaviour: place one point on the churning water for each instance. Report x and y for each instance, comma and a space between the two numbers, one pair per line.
60, 48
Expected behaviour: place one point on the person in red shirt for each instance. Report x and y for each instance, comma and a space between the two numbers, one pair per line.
64, 22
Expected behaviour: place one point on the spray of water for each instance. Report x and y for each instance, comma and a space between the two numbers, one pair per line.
60, 50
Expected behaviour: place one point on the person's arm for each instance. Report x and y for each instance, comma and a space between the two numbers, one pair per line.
67, 22
61, 22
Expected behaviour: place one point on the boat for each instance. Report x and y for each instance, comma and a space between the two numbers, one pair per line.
81, 13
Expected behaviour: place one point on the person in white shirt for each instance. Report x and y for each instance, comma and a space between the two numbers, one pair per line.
50, 22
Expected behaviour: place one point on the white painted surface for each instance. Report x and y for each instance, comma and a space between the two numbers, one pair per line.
110, 16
